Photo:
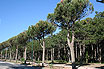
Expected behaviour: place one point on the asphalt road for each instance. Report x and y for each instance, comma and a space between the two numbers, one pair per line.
8, 65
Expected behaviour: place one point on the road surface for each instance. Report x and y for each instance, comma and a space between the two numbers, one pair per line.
8, 65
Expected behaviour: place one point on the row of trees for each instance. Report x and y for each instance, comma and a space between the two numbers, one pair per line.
34, 32
89, 37
80, 41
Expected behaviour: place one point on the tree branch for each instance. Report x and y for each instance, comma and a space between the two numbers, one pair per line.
40, 43
68, 39
72, 42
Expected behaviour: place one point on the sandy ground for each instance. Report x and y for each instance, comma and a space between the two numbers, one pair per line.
89, 66
9, 65
92, 66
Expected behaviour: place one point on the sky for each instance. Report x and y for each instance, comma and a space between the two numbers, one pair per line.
17, 15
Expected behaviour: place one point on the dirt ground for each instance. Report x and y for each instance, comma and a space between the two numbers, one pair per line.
68, 66
88, 66
93, 66
57, 67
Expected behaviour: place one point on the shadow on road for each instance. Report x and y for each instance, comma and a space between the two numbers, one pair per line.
102, 67
26, 67
78, 64
7, 65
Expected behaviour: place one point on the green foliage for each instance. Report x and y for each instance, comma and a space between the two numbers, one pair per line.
41, 29
22, 38
60, 61
71, 10
88, 32
36, 45
38, 61
56, 40
22, 60
51, 66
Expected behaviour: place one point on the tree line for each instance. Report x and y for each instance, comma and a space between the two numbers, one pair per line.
78, 41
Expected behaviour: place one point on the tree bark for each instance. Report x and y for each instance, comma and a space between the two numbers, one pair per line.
69, 56
76, 50
25, 54
43, 56
34, 55
80, 51
52, 55
59, 53
71, 46
38, 55
100, 54
1, 55
87, 55
97, 52
16, 54
47, 55
6, 55
64, 53
10, 53
83, 51
93, 53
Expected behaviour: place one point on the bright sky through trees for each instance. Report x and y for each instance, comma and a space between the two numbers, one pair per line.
17, 15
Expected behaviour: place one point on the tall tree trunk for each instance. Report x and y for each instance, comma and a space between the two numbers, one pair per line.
1, 55
80, 51
64, 53
43, 56
38, 55
100, 53
25, 54
69, 56
83, 54
59, 53
52, 54
92, 53
6, 55
47, 55
34, 55
71, 46
87, 55
95, 54
16, 54
10, 54
76, 50
19, 56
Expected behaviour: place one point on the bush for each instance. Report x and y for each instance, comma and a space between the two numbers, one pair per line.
22, 60
60, 61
